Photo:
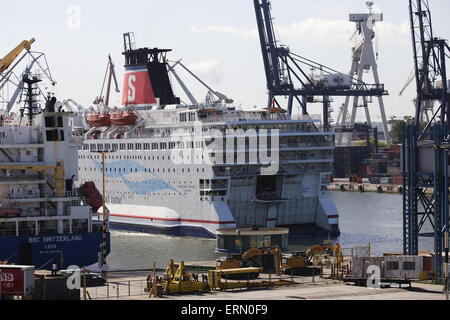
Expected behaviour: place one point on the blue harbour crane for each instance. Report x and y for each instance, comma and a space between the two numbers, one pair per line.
426, 145
287, 73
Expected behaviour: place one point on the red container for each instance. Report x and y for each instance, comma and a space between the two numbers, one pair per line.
12, 282
398, 181
427, 264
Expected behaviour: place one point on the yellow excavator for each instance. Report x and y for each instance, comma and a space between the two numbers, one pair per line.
6, 62
294, 264
315, 251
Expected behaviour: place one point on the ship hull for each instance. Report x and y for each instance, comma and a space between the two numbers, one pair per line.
176, 231
44, 251
169, 221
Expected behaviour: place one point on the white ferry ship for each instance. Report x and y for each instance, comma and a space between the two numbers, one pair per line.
163, 177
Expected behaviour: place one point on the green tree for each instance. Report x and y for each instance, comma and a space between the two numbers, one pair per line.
397, 129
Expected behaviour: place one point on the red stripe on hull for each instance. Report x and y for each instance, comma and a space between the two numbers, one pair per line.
171, 220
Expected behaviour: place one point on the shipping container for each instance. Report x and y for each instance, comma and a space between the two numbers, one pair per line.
374, 180
391, 267
398, 181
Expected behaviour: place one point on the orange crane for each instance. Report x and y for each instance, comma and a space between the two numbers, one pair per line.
6, 62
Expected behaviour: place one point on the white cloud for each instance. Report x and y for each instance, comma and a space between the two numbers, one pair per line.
208, 70
391, 30
312, 28
243, 31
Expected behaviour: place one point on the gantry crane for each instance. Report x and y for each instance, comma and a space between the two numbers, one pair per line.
285, 74
426, 147
364, 60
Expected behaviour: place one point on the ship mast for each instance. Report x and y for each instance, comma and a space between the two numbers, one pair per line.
31, 92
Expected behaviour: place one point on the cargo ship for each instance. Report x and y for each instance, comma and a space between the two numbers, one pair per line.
164, 176
44, 219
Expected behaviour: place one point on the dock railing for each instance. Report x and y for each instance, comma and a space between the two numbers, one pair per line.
119, 290
135, 289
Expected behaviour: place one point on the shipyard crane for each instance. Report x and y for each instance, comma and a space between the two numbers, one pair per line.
286, 75
364, 60
220, 96
430, 54
73, 106
182, 84
109, 75
6, 64
425, 148
8, 60
410, 80
428, 107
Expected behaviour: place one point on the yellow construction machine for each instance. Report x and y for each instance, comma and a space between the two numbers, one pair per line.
293, 264
247, 260
177, 281
315, 252
216, 283
236, 262
6, 62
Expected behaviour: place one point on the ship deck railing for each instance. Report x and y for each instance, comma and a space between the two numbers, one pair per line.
37, 214
148, 134
24, 142
258, 116
45, 195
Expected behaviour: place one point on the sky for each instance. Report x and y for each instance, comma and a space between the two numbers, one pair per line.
217, 40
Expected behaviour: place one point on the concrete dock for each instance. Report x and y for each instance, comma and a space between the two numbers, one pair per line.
132, 288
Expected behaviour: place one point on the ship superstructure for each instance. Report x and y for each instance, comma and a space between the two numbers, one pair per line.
44, 220
190, 170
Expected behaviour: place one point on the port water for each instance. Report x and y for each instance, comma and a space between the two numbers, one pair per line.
364, 217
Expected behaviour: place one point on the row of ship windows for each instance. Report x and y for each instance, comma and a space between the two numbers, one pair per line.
124, 195
133, 170
142, 146
95, 157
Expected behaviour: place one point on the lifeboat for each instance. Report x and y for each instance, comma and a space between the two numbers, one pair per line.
99, 119
124, 118
10, 211
275, 110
